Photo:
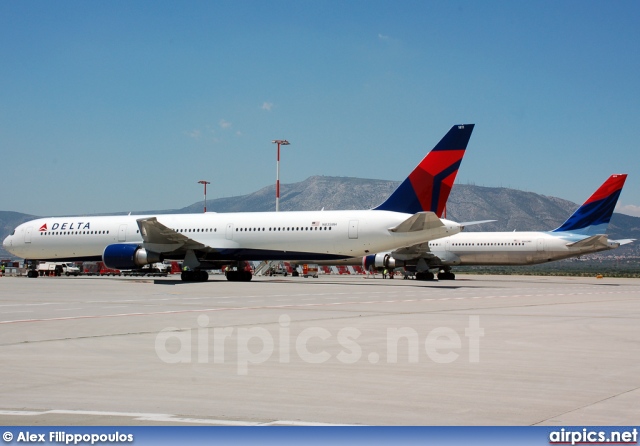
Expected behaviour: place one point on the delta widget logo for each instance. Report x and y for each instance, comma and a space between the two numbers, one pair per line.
66, 226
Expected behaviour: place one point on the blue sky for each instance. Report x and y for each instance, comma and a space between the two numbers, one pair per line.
121, 105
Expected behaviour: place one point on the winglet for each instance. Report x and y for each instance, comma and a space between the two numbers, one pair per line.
593, 216
427, 188
477, 222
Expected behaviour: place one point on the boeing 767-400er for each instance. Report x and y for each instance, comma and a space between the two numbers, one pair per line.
212, 240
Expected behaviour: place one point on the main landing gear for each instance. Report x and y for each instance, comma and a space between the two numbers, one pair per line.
446, 275
442, 275
239, 272
198, 275
424, 275
239, 276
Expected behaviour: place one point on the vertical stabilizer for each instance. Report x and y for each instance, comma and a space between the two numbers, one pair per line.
427, 188
593, 216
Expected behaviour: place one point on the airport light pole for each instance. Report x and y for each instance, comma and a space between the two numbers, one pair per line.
283, 142
205, 192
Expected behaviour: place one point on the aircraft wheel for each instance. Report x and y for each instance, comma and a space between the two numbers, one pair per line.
424, 275
446, 275
239, 276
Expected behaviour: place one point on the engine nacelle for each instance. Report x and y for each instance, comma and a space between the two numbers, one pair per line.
379, 261
128, 256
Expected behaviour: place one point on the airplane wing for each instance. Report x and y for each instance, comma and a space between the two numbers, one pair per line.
157, 237
412, 252
420, 221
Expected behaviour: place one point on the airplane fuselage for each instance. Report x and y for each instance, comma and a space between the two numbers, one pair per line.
511, 248
228, 236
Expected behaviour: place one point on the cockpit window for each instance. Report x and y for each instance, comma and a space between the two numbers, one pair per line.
13, 233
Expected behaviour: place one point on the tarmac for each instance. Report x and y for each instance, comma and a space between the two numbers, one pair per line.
480, 350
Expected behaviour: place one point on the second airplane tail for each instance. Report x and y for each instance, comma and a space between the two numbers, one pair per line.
594, 215
427, 188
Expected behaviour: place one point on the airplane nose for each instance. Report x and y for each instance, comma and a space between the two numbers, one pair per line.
6, 242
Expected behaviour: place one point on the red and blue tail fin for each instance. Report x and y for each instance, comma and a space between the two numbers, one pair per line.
593, 216
427, 188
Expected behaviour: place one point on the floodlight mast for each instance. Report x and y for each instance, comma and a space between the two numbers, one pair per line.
205, 192
279, 142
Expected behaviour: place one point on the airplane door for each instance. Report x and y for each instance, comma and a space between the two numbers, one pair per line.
353, 229
540, 245
229, 233
122, 233
27, 235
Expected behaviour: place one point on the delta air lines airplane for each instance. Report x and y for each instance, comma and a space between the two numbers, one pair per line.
211, 240
584, 232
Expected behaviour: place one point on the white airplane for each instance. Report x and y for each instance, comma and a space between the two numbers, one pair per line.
212, 240
582, 233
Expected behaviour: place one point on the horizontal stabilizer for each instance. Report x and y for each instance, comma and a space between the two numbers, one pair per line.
625, 241
595, 241
421, 221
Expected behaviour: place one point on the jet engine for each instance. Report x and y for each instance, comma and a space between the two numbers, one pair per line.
128, 256
381, 260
